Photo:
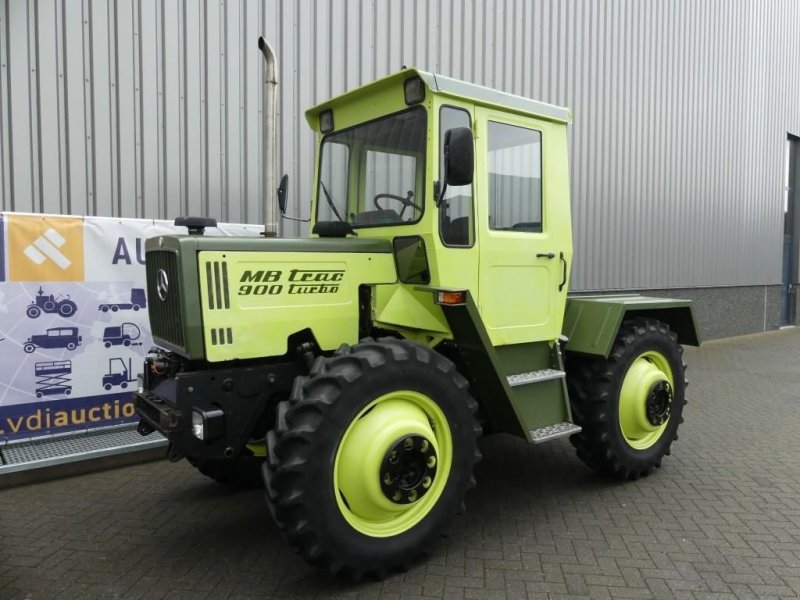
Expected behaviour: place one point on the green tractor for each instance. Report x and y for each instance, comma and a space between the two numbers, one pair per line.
355, 370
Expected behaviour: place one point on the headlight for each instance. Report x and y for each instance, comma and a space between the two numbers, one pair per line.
198, 427
208, 425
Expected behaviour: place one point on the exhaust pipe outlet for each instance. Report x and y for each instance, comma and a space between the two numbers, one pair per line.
270, 133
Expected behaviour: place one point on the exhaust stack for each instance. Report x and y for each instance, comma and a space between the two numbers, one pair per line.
270, 133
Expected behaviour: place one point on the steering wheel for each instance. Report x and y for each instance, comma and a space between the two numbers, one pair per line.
405, 201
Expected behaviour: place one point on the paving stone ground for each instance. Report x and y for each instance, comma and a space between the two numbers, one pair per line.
721, 519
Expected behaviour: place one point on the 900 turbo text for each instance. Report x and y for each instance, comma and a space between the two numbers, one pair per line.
297, 281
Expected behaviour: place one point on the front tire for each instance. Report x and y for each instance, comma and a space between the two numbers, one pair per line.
371, 457
631, 404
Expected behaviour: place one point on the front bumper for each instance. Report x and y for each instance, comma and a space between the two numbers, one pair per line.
246, 395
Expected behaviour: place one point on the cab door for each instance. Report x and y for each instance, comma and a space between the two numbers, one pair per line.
525, 237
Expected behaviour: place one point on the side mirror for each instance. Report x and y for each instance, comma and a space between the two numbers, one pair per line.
459, 156
283, 191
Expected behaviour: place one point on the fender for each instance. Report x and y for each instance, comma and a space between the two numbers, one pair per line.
591, 323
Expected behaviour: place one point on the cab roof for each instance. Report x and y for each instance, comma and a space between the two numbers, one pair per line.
447, 86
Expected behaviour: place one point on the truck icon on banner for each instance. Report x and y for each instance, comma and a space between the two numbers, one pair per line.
123, 335
138, 301
52, 378
47, 303
56, 337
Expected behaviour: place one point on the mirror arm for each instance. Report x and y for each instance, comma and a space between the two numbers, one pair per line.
308, 220
446, 148
440, 197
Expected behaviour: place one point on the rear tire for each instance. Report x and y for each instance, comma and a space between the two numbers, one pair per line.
631, 404
351, 478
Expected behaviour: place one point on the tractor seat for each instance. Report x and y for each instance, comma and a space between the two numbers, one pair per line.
456, 232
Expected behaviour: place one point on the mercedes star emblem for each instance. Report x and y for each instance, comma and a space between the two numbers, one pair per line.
162, 284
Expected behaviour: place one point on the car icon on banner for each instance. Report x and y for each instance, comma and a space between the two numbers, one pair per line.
56, 337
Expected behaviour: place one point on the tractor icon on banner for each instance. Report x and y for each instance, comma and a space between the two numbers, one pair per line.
47, 303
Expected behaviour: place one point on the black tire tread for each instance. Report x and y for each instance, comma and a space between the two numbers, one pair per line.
292, 442
593, 388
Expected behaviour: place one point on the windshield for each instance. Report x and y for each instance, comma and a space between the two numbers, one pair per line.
373, 174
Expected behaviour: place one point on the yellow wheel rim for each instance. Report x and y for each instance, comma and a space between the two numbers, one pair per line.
645, 400
392, 463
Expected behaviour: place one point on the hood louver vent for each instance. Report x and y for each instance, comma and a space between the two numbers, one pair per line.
221, 336
217, 281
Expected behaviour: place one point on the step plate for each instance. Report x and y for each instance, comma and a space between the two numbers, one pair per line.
553, 432
534, 377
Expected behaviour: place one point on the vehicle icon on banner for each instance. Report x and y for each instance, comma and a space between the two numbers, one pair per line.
52, 378
119, 374
56, 337
47, 303
138, 301
123, 335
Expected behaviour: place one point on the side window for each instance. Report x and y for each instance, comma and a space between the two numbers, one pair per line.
515, 178
455, 212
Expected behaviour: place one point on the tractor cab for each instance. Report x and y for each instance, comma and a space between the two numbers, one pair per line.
451, 174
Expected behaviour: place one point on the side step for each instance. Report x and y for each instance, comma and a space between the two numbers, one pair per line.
534, 377
552, 432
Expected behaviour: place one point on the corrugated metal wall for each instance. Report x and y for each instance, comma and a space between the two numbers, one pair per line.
153, 108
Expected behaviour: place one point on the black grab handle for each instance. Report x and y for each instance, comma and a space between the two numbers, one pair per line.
564, 272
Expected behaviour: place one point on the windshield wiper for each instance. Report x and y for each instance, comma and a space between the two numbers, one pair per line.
330, 202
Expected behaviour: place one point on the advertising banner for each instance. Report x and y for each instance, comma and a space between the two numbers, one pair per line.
73, 319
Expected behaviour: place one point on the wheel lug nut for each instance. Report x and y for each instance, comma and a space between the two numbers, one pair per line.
408, 444
431, 462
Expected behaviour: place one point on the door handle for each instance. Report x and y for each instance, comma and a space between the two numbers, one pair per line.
563, 273
546, 255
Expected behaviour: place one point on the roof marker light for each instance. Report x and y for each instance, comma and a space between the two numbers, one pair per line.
414, 90
326, 121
